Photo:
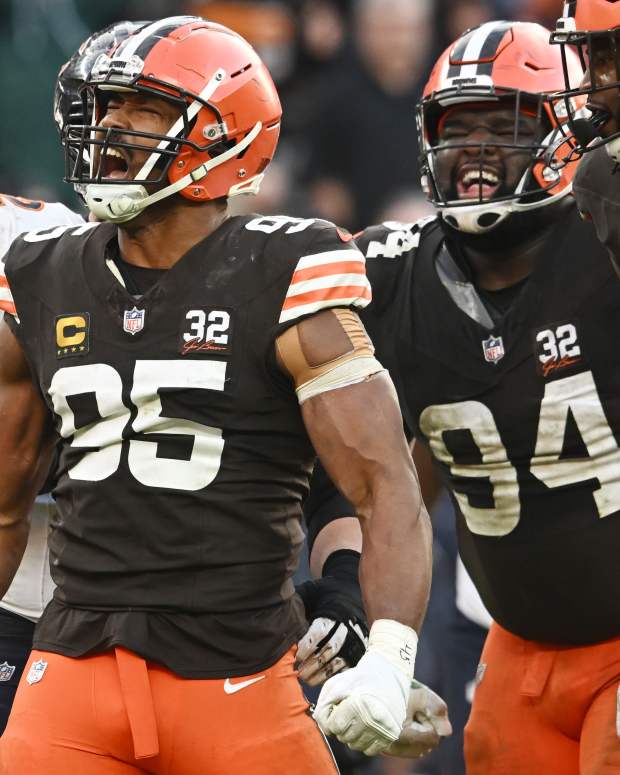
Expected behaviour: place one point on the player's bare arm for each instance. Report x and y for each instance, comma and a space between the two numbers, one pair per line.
335, 543
327, 649
352, 417
25, 450
358, 434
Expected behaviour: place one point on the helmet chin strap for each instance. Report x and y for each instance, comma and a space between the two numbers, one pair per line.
473, 221
119, 203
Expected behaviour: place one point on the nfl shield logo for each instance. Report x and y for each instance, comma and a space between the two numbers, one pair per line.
36, 672
493, 349
133, 320
6, 671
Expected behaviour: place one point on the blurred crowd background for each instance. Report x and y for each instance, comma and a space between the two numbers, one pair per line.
349, 73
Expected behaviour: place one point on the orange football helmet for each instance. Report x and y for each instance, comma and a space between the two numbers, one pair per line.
508, 64
589, 25
581, 17
219, 147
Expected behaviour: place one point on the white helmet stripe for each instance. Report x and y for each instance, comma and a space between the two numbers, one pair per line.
570, 6
129, 47
192, 111
475, 45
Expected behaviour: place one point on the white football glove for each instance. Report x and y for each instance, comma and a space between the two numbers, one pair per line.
427, 722
328, 648
366, 706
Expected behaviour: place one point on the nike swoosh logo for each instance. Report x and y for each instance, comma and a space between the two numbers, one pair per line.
230, 688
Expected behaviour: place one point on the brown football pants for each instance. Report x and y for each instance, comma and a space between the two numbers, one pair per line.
544, 710
115, 714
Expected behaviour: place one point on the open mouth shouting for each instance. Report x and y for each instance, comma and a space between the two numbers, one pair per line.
113, 164
477, 182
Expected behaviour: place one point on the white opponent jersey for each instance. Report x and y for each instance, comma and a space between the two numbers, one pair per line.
32, 586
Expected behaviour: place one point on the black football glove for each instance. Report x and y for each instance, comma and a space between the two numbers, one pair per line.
338, 632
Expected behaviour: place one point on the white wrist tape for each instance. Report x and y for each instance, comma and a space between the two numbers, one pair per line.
396, 642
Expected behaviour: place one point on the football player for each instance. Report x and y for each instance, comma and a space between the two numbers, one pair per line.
337, 642
338, 633
497, 321
31, 588
189, 364
593, 27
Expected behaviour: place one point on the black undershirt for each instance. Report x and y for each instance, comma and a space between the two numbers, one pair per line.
497, 302
138, 279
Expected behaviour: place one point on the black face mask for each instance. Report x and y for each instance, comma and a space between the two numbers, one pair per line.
597, 191
516, 229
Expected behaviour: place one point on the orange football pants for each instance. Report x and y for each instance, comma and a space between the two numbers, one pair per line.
545, 710
115, 714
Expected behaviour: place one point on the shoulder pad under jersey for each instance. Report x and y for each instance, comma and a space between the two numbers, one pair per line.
325, 268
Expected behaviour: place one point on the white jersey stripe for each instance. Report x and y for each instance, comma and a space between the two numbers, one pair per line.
329, 281
331, 257
316, 306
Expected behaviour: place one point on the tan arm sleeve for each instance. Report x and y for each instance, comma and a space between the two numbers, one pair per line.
326, 351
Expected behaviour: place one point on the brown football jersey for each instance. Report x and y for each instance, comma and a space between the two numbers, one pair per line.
184, 460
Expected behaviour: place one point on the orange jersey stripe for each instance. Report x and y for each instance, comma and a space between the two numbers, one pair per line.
4, 283
328, 294
8, 306
324, 270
